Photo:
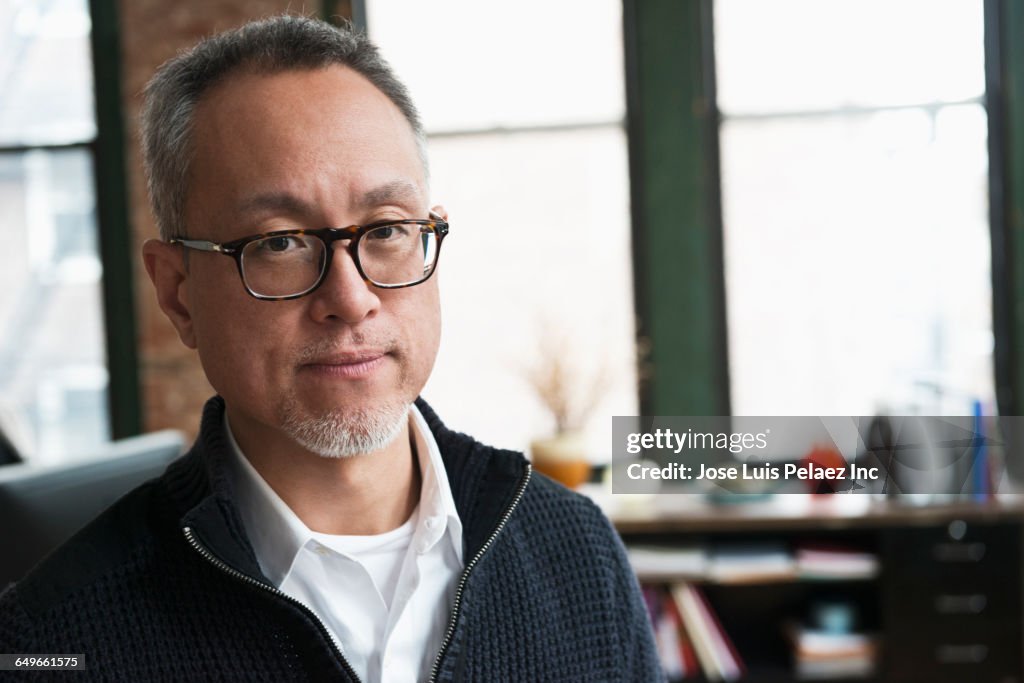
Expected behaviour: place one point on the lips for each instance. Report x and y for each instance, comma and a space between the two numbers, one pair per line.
348, 365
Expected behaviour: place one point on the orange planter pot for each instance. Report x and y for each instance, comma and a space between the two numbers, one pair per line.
563, 458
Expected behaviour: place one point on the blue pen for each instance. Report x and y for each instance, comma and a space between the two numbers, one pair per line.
980, 487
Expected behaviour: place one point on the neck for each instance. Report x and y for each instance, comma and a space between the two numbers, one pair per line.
359, 495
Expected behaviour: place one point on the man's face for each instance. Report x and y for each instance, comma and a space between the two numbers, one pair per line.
311, 149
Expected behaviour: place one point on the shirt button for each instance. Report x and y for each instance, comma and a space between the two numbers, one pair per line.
432, 523
321, 550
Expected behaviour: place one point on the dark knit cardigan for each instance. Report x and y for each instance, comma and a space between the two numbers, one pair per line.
165, 586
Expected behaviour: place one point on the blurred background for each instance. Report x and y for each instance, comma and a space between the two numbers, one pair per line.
774, 208
667, 207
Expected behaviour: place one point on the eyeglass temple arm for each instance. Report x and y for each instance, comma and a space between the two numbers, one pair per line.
202, 245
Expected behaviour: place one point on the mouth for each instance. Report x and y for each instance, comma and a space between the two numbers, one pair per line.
349, 365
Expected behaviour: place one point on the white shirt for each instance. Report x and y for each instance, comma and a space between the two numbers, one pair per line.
386, 598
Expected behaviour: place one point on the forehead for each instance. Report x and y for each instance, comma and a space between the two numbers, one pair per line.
332, 89
307, 133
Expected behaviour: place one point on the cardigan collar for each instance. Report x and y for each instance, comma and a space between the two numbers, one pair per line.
483, 481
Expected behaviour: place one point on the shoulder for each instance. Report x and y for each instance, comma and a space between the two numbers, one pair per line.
118, 537
548, 519
568, 523
554, 499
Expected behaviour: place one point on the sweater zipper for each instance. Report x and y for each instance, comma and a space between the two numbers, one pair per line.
216, 562
457, 603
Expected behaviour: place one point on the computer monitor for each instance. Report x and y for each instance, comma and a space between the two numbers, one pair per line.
41, 507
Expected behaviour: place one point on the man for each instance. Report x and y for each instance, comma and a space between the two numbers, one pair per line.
325, 525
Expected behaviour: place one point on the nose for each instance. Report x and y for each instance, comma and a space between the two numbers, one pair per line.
343, 295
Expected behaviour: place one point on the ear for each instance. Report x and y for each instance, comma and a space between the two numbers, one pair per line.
165, 264
438, 210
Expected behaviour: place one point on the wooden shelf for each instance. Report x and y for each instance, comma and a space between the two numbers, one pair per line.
690, 514
705, 581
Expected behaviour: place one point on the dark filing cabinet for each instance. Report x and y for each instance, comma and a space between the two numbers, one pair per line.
951, 600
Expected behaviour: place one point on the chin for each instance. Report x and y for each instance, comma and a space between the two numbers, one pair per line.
342, 432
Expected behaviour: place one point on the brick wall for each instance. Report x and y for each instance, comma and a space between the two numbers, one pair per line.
173, 384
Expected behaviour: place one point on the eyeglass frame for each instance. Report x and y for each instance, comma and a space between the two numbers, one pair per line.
328, 236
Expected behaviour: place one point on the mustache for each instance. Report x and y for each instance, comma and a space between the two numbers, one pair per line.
332, 345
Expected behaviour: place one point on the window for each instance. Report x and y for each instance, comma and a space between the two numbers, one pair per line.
854, 186
528, 154
53, 371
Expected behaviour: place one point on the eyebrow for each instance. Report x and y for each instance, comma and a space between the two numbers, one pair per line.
400, 192
276, 201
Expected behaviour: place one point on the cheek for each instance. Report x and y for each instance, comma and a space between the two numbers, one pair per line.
227, 350
426, 331
236, 337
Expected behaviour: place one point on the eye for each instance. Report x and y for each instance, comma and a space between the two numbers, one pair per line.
387, 233
281, 243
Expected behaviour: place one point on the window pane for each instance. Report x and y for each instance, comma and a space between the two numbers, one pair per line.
537, 265
536, 251
793, 55
473, 65
53, 376
858, 269
45, 72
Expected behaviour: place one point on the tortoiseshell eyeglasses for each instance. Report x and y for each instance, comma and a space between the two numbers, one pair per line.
288, 264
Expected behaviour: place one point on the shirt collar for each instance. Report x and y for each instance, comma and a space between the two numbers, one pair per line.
277, 534
437, 506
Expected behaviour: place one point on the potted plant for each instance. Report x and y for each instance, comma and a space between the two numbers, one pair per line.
570, 395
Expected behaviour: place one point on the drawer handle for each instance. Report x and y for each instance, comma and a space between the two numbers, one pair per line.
960, 604
961, 654
958, 552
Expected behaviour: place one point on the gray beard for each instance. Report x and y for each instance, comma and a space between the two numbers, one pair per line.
343, 435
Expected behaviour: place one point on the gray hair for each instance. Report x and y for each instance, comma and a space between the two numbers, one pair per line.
268, 46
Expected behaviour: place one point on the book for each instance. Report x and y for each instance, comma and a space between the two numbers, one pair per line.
812, 644
822, 654
715, 651
697, 630
666, 562
733, 665
829, 562
820, 670
751, 563
666, 640
675, 648
686, 652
